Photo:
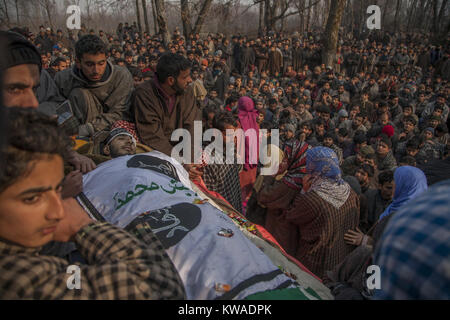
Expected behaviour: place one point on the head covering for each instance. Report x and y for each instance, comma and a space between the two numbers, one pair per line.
343, 113
289, 127
247, 117
323, 165
415, 245
388, 130
129, 126
294, 163
430, 129
410, 182
366, 150
118, 132
18, 51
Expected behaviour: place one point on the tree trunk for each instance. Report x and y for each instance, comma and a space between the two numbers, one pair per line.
202, 16
261, 19
385, 10
226, 16
144, 11
424, 14
49, 15
301, 13
186, 18
17, 12
441, 14
162, 21
397, 12
437, 16
267, 15
411, 13
138, 15
6, 12
155, 19
332, 31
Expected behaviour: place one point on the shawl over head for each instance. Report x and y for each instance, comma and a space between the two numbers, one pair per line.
410, 182
323, 165
247, 117
294, 163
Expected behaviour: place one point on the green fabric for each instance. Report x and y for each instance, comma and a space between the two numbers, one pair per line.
284, 294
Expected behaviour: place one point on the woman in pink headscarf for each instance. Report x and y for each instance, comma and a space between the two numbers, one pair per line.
248, 116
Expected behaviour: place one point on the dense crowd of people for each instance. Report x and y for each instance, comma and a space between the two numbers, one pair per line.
360, 141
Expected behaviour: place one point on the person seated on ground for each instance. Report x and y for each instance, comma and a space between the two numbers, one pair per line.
287, 134
352, 163
119, 266
386, 160
214, 258
318, 216
21, 67
423, 251
350, 277
138, 77
365, 174
306, 134
407, 161
409, 183
329, 141
59, 64
98, 91
379, 199
219, 175
166, 103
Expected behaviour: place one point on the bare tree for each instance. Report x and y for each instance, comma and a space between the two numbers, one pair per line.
144, 11
186, 18
202, 16
138, 16
397, 12
49, 7
155, 19
162, 21
17, 11
261, 18
5, 14
411, 12
332, 31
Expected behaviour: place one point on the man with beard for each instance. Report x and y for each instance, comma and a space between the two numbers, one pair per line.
166, 103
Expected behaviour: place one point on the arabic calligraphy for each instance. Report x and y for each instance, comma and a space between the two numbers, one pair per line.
154, 164
173, 187
171, 224
172, 227
169, 171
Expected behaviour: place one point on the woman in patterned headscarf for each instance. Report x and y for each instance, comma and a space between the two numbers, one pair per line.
278, 192
321, 214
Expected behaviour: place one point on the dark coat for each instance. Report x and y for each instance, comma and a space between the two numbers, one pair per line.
318, 229
155, 124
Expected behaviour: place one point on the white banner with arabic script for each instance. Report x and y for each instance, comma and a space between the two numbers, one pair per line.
209, 251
